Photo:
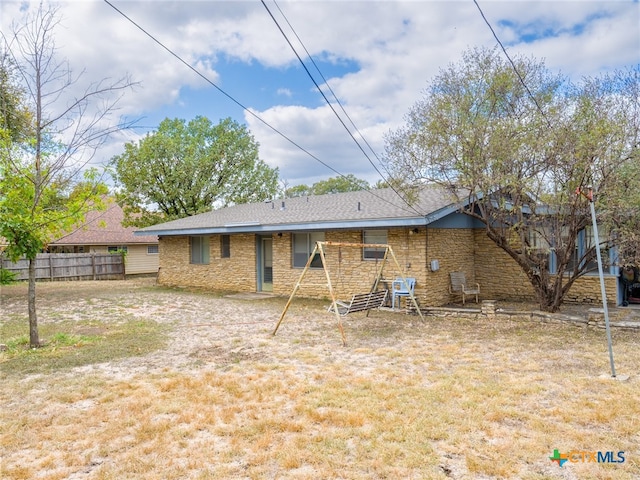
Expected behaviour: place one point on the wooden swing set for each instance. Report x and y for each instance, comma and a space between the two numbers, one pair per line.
360, 301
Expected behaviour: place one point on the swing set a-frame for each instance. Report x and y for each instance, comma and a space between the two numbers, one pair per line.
367, 305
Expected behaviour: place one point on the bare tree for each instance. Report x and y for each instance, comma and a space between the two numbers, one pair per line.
46, 183
520, 141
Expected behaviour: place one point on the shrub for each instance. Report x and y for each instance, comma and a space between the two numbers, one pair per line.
7, 276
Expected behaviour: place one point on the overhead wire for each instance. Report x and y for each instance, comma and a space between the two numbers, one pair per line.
326, 83
513, 65
245, 108
324, 80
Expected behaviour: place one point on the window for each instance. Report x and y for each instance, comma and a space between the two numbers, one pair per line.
225, 246
303, 245
199, 247
538, 239
584, 242
374, 236
117, 248
152, 249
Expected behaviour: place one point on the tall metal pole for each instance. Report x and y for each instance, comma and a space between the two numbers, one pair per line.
601, 273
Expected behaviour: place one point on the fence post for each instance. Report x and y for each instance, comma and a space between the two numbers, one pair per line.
50, 266
93, 265
124, 274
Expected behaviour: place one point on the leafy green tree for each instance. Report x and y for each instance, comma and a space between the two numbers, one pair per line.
15, 117
343, 183
622, 203
514, 144
45, 185
298, 191
391, 182
184, 169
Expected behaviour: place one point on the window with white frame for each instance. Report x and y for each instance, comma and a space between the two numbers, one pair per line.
117, 248
303, 245
374, 237
152, 249
199, 247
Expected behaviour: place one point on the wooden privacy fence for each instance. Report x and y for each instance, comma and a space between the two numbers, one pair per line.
69, 266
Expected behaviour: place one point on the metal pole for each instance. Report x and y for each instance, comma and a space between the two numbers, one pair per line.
602, 287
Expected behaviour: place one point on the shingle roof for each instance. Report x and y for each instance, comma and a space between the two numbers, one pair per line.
104, 228
362, 209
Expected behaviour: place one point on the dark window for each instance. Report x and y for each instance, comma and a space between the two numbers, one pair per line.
225, 246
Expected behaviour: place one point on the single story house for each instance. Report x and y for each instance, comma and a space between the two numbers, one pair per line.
263, 247
103, 232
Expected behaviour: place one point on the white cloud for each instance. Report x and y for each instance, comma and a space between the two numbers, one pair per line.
284, 92
398, 48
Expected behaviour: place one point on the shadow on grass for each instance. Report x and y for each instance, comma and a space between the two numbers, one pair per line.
71, 345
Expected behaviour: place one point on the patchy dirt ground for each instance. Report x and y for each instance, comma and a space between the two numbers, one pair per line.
227, 399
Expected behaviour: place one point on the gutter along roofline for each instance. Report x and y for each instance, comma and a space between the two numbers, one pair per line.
290, 227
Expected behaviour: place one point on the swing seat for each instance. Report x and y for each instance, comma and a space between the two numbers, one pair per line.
361, 302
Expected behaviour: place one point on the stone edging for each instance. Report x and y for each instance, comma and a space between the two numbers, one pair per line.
490, 311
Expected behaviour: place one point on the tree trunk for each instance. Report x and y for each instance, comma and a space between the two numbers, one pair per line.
548, 298
550, 302
34, 338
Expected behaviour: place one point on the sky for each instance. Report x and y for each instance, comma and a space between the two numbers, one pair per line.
222, 59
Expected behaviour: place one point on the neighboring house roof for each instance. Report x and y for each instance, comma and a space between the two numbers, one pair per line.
104, 228
363, 209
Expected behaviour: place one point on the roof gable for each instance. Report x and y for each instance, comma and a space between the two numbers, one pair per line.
104, 228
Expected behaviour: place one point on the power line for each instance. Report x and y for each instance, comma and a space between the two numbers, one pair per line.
246, 109
193, 69
513, 65
334, 95
326, 83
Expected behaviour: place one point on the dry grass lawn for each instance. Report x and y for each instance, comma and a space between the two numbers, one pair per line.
205, 392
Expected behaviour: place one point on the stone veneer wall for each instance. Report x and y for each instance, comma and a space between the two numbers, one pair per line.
455, 249
500, 278
237, 273
348, 271
351, 274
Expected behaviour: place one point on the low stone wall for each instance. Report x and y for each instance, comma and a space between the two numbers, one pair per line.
490, 311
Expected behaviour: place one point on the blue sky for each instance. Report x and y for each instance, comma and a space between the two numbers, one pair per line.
378, 57
252, 85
